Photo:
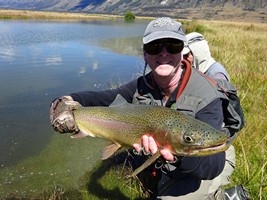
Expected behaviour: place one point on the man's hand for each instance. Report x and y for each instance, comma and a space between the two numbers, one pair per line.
61, 116
149, 146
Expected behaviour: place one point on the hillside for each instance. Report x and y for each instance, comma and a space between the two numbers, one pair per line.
230, 10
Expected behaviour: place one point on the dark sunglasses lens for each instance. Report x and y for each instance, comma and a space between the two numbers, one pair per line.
153, 49
174, 47
156, 48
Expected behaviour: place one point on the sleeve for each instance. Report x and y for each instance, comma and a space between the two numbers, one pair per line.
105, 98
212, 114
207, 167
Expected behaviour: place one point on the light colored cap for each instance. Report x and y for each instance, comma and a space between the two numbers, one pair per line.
164, 27
186, 50
199, 47
191, 39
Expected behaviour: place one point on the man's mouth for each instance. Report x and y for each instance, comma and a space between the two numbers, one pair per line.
164, 63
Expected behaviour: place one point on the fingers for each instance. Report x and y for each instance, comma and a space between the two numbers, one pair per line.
149, 145
167, 155
153, 148
138, 148
61, 115
65, 123
145, 143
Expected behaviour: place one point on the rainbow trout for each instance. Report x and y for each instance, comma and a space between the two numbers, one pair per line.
125, 124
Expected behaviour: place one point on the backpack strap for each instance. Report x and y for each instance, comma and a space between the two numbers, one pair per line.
188, 70
233, 114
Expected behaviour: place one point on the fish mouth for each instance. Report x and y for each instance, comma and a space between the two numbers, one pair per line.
202, 151
216, 147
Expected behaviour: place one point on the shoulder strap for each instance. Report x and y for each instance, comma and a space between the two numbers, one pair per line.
188, 70
233, 114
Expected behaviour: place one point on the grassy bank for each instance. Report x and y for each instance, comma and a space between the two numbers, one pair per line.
241, 48
8, 14
29, 14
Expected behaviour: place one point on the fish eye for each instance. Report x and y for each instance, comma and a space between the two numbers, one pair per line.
188, 139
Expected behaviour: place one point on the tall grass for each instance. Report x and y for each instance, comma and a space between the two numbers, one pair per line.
242, 49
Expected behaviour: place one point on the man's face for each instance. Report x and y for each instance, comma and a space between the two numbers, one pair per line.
164, 56
188, 57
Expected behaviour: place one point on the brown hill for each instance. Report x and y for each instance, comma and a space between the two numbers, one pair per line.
233, 10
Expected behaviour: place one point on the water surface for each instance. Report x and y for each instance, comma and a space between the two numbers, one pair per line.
41, 60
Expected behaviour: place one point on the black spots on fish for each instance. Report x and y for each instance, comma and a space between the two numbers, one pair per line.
212, 137
181, 127
208, 135
169, 123
221, 137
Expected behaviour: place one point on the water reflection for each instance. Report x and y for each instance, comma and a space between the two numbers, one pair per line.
130, 46
38, 62
7, 54
54, 60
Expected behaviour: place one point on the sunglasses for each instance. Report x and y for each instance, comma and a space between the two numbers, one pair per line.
172, 47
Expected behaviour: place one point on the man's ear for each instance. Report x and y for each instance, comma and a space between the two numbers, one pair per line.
144, 56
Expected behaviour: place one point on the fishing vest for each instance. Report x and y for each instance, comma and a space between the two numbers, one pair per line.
190, 98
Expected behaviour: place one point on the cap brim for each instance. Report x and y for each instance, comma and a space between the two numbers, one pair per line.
163, 34
185, 51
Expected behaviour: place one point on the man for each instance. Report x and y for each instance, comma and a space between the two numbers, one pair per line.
197, 52
171, 83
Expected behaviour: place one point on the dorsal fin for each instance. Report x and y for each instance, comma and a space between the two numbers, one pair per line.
119, 101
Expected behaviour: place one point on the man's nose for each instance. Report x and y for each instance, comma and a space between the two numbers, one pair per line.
164, 50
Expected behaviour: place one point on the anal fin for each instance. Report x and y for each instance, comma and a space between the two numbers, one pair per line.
110, 150
147, 163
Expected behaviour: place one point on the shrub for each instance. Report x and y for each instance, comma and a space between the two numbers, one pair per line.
129, 16
193, 26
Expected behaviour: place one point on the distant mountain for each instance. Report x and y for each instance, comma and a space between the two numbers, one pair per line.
251, 10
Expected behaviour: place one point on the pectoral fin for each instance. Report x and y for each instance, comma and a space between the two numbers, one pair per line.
147, 163
110, 150
80, 134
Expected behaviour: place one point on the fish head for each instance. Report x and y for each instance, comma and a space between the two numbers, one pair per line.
204, 142
196, 139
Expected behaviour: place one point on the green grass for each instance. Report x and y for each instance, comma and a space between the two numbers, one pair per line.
194, 26
9, 14
111, 181
241, 48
